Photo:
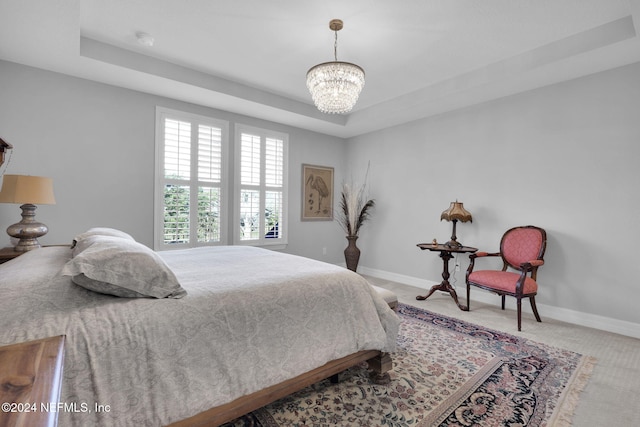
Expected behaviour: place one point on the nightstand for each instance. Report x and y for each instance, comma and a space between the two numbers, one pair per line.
7, 254
31, 376
446, 255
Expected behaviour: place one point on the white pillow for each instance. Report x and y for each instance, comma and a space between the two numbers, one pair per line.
100, 231
105, 231
121, 267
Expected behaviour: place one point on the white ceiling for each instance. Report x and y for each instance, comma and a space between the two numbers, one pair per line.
421, 57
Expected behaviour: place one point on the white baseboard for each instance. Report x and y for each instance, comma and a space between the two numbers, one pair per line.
588, 320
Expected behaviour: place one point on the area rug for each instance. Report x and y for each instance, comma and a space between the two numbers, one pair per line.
446, 372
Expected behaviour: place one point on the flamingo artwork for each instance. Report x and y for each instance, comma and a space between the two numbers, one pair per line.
317, 183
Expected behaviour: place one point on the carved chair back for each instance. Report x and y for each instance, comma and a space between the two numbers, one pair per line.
522, 244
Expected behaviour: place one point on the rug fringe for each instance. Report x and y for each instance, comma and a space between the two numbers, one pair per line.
568, 400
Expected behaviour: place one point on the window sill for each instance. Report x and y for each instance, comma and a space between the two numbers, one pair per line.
275, 245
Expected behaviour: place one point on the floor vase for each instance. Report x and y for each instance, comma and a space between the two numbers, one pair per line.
352, 253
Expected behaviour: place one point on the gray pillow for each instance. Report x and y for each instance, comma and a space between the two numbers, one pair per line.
121, 267
104, 287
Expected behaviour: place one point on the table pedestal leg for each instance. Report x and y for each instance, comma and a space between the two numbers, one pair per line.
445, 286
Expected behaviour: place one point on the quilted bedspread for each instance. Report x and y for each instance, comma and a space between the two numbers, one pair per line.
251, 318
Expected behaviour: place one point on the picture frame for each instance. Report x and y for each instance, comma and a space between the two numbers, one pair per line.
317, 193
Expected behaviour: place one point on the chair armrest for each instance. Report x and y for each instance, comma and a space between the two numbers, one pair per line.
483, 254
530, 264
472, 260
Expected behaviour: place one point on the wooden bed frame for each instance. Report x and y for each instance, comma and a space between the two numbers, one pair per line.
380, 363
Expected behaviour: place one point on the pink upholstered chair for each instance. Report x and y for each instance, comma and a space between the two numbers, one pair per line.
522, 251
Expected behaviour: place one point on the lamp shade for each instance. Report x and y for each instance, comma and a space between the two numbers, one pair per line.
21, 189
456, 212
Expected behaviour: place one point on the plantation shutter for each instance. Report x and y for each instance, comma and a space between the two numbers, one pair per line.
261, 214
191, 197
177, 171
250, 193
209, 183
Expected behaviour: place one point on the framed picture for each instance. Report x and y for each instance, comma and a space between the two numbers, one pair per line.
317, 193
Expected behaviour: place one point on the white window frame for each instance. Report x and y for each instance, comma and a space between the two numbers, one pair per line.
193, 183
283, 229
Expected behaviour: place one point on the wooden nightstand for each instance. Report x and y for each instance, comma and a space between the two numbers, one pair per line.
30, 381
7, 254
446, 255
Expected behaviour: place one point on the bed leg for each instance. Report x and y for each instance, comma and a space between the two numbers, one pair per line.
334, 379
380, 367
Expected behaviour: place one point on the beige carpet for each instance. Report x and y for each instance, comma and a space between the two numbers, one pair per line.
611, 395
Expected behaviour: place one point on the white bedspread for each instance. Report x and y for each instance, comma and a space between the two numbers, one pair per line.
252, 318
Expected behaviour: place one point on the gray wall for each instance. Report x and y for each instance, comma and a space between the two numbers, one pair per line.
97, 143
564, 157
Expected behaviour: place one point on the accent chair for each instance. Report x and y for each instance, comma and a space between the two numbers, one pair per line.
522, 251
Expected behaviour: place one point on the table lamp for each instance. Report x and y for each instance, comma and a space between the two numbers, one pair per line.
28, 191
455, 213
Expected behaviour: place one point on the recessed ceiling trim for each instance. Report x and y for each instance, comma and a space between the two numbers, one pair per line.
421, 103
113, 55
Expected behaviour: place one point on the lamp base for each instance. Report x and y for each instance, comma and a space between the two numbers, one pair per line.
28, 230
453, 244
27, 244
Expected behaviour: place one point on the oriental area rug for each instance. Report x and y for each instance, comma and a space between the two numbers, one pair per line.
446, 372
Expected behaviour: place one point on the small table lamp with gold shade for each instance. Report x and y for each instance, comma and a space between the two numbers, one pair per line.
455, 213
27, 191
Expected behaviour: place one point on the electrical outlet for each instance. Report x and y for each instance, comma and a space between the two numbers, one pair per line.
457, 266
324, 251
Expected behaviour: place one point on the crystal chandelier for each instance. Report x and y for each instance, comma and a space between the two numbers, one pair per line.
335, 86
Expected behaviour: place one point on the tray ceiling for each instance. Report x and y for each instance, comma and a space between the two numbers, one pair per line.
251, 56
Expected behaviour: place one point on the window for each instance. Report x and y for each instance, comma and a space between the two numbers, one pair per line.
190, 180
192, 170
261, 189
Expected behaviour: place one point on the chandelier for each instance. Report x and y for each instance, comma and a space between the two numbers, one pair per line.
335, 86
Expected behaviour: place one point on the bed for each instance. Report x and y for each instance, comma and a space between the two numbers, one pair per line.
245, 327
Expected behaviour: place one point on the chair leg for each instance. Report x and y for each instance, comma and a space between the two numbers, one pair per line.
532, 300
468, 297
502, 301
519, 314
